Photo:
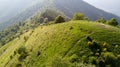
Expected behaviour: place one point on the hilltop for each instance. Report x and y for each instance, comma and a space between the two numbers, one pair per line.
63, 45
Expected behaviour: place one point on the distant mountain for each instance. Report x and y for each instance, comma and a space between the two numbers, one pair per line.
22, 16
67, 7
111, 6
10, 8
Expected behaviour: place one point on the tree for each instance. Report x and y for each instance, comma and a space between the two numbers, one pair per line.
41, 19
51, 14
21, 50
101, 20
45, 20
59, 19
79, 16
112, 21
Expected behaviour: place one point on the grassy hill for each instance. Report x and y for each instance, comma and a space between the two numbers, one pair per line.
61, 45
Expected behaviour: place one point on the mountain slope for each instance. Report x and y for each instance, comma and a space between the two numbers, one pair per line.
67, 7
80, 6
21, 17
107, 5
57, 44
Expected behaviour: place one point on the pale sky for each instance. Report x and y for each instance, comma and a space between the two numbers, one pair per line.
107, 5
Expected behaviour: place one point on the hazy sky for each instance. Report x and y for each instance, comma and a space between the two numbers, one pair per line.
107, 5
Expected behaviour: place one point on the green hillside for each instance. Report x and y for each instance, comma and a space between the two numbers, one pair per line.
63, 45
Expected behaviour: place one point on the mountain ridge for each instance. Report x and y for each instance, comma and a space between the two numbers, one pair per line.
65, 7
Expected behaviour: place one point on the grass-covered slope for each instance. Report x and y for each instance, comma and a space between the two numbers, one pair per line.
58, 45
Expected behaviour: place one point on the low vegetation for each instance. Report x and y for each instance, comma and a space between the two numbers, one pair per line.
79, 16
77, 43
59, 19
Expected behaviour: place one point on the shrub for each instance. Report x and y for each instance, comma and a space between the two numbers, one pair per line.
22, 56
93, 60
74, 58
101, 62
101, 20
21, 50
71, 28
40, 20
104, 49
116, 49
25, 38
110, 58
105, 44
94, 47
38, 53
113, 22
79, 16
15, 52
23, 53
89, 39
59, 19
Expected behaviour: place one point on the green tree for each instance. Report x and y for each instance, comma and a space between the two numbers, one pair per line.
101, 20
59, 19
21, 50
112, 21
79, 16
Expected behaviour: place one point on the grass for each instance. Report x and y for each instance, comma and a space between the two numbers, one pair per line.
62, 40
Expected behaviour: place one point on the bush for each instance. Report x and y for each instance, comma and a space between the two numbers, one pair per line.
110, 58
79, 16
25, 38
23, 53
74, 58
38, 53
21, 50
101, 20
22, 56
113, 22
71, 28
93, 60
59, 19
94, 47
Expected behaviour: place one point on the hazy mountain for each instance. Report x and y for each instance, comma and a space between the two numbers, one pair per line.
80, 6
68, 7
10, 8
107, 5
26, 9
